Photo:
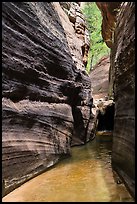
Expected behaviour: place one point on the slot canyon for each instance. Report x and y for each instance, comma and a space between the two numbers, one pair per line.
53, 109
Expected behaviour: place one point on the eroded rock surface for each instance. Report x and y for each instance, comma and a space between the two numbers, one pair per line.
109, 12
123, 71
122, 80
81, 39
100, 88
41, 85
35, 135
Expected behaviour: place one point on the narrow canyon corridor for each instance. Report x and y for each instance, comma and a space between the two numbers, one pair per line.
85, 176
68, 101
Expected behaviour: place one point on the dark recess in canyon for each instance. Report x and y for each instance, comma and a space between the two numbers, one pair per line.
106, 120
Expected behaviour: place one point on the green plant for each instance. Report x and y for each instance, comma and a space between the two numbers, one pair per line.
98, 48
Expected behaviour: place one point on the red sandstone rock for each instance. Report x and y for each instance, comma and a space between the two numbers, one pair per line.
40, 84
100, 78
109, 11
119, 34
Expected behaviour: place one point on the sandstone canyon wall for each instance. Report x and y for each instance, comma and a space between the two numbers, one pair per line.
45, 92
123, 66
82, 39
100, 78
122, 80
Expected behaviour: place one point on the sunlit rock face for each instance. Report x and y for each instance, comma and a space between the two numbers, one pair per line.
100, 79
80, 43
100, 88
109, 11
41, 88
122, 79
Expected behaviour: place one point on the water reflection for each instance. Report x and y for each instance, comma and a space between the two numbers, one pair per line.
85, 176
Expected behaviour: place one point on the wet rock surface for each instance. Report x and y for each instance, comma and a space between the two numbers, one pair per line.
40, 84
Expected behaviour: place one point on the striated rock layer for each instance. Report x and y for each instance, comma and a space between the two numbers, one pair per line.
35, 135
122, 80
42, 91
81, 37
123, 69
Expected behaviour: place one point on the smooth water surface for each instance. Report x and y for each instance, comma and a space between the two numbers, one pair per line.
85, 176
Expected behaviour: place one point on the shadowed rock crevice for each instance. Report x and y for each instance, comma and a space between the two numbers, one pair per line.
106, 120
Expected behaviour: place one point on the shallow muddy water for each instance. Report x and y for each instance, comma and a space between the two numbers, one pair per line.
85, 176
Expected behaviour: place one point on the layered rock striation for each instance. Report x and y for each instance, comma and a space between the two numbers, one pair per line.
82, 39
123, 72
122, 80
44, 93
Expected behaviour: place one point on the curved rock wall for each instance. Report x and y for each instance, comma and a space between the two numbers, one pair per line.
122, 78
42, 90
